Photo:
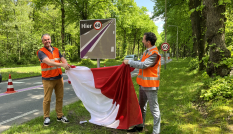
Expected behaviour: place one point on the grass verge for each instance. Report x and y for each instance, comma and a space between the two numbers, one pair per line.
24, 71
182, 112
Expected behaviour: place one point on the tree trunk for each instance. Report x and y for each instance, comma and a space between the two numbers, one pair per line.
198, 26
135, 35
215, 35
138, 48
174, 50
62, 24
124, 43
184, 52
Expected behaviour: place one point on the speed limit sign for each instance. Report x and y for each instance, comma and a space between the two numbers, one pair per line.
165, 46
97, 25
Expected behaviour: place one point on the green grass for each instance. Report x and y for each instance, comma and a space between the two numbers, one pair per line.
25, 71
182, 111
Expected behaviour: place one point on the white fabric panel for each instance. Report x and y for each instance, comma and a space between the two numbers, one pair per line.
102, 111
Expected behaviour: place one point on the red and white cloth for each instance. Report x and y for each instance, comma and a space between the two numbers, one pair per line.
108, 94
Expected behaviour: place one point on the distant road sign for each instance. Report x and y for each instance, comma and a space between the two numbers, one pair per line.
97, 25
98, 39
165, 46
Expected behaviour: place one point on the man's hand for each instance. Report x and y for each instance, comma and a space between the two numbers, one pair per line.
126, 62
66, 66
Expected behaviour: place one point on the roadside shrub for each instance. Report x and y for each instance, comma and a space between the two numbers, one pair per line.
2, 62
110, 60
86, 62
34, 60
22, 61
72, 53
193, 64
118, 58
219, 88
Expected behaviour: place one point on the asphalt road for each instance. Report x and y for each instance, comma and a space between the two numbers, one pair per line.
26, 103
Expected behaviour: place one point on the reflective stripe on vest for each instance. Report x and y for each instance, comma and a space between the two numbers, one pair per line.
148, 78
57, 58
52, 59
52, 68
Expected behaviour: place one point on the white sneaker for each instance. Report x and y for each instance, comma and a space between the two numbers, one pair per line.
63, 119
46, 121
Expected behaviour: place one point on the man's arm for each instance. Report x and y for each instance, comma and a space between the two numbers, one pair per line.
63, 60
52, 63
150, 61
43, 57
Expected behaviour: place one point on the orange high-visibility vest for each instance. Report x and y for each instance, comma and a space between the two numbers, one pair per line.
50, 71
149, 77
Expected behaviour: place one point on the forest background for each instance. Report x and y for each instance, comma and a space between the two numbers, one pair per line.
197, 29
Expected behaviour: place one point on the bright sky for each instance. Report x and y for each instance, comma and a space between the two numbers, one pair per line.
150, 7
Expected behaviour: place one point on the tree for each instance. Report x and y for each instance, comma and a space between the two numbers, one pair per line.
198, 29
215, 35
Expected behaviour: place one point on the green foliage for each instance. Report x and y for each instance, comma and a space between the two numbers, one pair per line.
110, 60
3, 62
205, 59
23, 22
193, 63
71, 53
86, 62
118, 58
34, 60
22, 61
219, 88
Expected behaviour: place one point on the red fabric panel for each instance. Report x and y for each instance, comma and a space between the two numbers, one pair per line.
116, 83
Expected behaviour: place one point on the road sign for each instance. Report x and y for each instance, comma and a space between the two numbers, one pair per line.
97, 25
98, 39
165, 46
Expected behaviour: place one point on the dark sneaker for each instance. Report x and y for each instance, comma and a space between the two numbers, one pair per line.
46, 121
63, 119
136, 129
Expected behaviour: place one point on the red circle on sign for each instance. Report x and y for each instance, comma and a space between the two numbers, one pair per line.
97, 25
165, 46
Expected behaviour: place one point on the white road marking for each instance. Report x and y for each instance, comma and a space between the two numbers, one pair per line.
37, 83
17, 117
17, 82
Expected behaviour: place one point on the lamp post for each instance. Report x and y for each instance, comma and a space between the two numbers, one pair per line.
176, 41
165, 32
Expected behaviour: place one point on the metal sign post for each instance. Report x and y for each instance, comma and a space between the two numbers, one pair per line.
165, 47
98, 63
165, 32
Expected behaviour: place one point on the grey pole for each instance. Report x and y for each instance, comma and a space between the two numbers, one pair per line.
177, 44
165, 32
98, 63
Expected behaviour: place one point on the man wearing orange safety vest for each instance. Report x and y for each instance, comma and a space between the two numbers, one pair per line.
148, 81
50, 58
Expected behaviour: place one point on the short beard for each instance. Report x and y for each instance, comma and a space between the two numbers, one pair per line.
48, 46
